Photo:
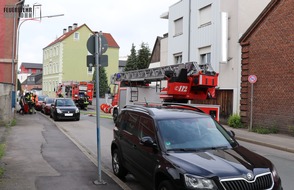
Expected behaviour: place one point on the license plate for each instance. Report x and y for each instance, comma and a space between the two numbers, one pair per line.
68, 114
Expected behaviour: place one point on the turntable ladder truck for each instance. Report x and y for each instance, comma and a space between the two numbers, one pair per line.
173, 83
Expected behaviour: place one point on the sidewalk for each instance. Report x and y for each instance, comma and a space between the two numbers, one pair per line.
278, 141
39, 156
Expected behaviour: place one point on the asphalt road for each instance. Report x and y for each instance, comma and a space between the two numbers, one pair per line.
283, 161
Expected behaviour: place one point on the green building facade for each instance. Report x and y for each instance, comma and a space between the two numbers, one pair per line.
65, 59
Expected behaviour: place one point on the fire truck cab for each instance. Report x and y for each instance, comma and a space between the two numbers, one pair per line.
80, 92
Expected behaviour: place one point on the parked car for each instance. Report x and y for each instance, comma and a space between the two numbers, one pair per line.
38, 105
172, 146
46, 105
64, 109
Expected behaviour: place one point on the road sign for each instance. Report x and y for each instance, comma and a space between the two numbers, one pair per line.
90, 61
91, 44
252, 79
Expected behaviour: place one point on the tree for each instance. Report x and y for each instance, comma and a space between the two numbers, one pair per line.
140, 60
103, 82
132, 60
143, 57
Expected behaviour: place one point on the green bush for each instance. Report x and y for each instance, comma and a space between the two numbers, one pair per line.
291, 129
235, 121
265, 130
2, 151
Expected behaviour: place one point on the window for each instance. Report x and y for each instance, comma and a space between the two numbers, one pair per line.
31, 79
205, 16
205, 58
178, 58
30, 70
205, 55
76, 36
146, 128
178, 26
128, 123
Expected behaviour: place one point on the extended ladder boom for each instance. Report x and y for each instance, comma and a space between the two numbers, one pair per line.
160, 73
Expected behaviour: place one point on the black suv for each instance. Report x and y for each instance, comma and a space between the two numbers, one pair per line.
174, 146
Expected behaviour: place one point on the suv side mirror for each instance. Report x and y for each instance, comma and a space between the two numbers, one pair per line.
148, 141
232, 133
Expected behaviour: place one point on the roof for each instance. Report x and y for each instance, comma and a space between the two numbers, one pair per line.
168, 110
111, 42
109, 38
155, 55
31, 65
38, 79
272, 4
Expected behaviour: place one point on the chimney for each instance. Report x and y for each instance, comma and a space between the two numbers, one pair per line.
75, 25
64, 30
69, 28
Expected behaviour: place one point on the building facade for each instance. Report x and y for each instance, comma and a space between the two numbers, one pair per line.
26, 69
209, 33
268, 53
8, 62
32, 83
65, 59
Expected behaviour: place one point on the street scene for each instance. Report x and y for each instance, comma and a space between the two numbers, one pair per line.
41, 133
132, 95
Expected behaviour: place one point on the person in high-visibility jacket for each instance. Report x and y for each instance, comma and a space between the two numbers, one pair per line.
28, 99
33, 98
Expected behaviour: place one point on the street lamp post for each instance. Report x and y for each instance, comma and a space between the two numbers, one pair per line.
18, 29
33, 19
13, 57
13, 42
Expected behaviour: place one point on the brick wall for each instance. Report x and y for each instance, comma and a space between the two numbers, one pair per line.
268, 53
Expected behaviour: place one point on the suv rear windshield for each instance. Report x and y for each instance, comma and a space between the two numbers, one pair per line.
193, 134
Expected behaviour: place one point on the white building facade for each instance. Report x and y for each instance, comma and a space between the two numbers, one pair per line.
207, 31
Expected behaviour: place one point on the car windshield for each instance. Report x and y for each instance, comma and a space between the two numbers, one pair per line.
41, 98
49, 100
65, 102
193, 134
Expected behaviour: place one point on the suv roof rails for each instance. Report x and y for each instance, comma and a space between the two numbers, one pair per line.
190, 107
145, 106
140, 107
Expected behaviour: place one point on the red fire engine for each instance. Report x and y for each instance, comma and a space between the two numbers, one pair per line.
80, 92
175, 83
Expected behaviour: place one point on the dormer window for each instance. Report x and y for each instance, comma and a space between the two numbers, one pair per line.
31, 79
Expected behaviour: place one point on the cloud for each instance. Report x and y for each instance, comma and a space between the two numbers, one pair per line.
129, 21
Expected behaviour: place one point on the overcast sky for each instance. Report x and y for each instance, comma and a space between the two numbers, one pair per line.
128, 21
